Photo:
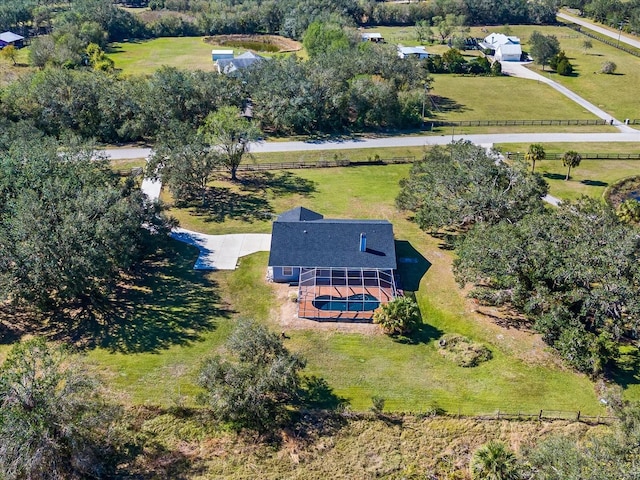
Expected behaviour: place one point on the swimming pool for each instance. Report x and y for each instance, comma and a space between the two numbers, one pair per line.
360, 302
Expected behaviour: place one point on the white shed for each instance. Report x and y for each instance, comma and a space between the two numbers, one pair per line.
415, 52
509, 52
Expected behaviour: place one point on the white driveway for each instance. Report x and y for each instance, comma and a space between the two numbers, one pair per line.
217, 252
222, 252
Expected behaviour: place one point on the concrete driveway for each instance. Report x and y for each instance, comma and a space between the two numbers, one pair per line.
222, 252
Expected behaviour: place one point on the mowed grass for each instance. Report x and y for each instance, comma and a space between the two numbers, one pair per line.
592, 177
143, 57
615, 94
523, 375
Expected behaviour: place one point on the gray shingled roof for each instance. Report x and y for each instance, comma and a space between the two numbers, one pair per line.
303, 238
229, 65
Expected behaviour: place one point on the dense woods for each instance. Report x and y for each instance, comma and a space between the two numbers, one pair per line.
285, 17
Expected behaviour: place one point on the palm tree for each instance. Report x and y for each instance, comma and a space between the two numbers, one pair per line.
536, 152
571, 159
494, 461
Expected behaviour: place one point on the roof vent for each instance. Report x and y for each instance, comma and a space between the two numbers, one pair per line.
363, 242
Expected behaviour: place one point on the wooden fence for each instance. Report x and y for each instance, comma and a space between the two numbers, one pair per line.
321, 163
512, 123
585, 156
609, 41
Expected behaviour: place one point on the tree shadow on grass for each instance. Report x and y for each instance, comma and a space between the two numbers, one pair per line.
316, 393
446, 104
165, 303
594, 183
626, 371
424, 333
280, 183
411, 266
222, 203
554, 176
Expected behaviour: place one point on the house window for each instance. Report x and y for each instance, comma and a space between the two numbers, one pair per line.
287, 271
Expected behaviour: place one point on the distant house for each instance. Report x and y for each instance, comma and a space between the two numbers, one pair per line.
502, 47
221, 54
230, 65
372, 37
412, 52
344, 269
10, 38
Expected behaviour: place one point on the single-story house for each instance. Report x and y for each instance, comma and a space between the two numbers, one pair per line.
372, 37
10, 38
220, 54
230, 65
344, 269
415, 52
502, 47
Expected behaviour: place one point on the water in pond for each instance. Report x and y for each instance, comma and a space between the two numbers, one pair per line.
360, 302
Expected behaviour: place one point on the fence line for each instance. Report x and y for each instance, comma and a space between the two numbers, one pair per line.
540, 415
510, 123
611, 43
321, 163
585, 156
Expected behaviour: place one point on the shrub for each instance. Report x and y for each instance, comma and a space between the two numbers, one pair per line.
608, 68
564, 67
629, 211
463, 351
496, 69
398, 317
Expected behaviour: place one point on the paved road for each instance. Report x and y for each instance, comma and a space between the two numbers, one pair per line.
518, 69
615, 35
413, 141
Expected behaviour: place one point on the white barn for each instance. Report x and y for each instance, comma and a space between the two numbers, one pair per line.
502, 47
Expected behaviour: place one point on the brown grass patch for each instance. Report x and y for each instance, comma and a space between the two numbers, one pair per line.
284, 44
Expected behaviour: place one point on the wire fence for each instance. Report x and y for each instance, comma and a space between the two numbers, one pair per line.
538, 415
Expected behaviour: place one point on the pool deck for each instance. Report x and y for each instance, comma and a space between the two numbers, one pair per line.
306, 308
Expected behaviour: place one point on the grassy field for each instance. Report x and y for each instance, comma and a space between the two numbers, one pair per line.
523, 374
143, 57
592, 177
587, 82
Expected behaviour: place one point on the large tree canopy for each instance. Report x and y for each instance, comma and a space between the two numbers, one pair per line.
575, 271
461, 184
69, 226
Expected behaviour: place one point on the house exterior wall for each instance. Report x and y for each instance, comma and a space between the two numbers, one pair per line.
280, 277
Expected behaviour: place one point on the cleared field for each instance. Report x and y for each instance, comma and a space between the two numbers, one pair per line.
145, 56
10, 72
485, 98
522, 375
616, 94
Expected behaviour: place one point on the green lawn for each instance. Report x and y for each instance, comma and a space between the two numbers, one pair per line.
523, 375
615, 94
143, 57
592, 177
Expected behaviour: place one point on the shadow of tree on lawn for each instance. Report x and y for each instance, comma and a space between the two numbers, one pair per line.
222, 203
594, 183
252, 202
280, 183
165, 303
446, 104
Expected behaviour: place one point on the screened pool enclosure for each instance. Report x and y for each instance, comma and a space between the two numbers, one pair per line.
338, 293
